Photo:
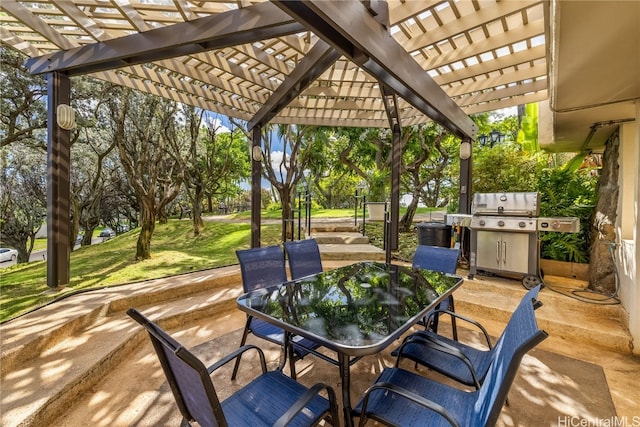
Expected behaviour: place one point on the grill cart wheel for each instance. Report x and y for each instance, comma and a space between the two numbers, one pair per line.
530, 281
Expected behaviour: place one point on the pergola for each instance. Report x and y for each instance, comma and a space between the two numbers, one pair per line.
343, 63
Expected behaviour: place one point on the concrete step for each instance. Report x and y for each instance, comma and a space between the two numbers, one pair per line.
562, 317
351, 252
24, 338
340, 237
327, 227
79, 355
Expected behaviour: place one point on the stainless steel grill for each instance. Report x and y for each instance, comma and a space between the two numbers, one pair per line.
505, 234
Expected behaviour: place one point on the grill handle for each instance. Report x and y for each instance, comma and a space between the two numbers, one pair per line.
504, 253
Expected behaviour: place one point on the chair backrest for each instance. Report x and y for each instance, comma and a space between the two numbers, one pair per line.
187, 376
304, 257
520, 336
262, 267
436, 258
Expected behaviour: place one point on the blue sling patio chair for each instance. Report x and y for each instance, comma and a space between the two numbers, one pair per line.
261, 268
304, 257
444, 260
466, 364
270, 399
402, 398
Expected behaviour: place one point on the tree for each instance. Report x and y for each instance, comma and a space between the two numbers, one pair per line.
23, 109
225, 161
285, 169
366, 154
91, 154
424, 159
23, 197
331, 182
143, 130
192, 166
301, 146
505, 167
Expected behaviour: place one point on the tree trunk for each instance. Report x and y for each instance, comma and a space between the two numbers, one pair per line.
75, 221
196, 209
407, 219
162, 216
88, 235
148, 222
602, 276
287, 229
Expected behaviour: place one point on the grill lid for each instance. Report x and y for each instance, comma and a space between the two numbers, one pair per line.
512, 204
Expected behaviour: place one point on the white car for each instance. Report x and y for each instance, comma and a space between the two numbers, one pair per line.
7, 254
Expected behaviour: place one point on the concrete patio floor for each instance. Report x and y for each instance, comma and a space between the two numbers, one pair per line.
125, 387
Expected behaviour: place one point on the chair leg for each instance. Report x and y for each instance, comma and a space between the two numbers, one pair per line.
433, 326
242, 341
454, 327
288, 347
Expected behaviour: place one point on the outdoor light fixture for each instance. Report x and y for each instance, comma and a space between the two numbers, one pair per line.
496, 136
465, 150
66, 117
256, 153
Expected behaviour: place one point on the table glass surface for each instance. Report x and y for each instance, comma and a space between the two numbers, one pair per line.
354, 306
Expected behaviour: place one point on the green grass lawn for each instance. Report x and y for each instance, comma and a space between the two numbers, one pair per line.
174, 250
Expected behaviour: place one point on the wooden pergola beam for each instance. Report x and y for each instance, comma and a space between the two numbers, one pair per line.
352, 30
247, 25
316, 61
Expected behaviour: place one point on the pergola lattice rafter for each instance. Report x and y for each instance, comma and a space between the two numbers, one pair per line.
485, 55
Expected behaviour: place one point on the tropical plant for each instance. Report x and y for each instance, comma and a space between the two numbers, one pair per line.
528, 134
565, 193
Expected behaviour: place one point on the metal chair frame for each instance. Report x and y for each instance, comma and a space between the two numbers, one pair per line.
277, 400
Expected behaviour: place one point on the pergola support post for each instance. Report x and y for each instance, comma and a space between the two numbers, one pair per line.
256, 185
58, 183
464, 205
396, 162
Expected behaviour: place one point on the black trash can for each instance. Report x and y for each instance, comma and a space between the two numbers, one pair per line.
434, 234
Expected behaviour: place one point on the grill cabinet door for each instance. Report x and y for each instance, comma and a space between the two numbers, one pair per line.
500, 251
515, 252
488, 251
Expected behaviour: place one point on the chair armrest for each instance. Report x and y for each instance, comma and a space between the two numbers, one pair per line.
438, 345
238, 354
429, 404
300, 404
466, 319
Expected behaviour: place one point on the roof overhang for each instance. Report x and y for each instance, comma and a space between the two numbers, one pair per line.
595, 73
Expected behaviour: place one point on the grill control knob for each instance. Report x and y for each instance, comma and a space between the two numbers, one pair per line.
501, 223
482, 222
522, 224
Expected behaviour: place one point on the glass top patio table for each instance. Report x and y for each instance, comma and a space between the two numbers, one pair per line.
358, 309
355, 310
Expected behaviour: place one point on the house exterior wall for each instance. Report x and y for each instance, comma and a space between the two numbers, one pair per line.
628, 225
